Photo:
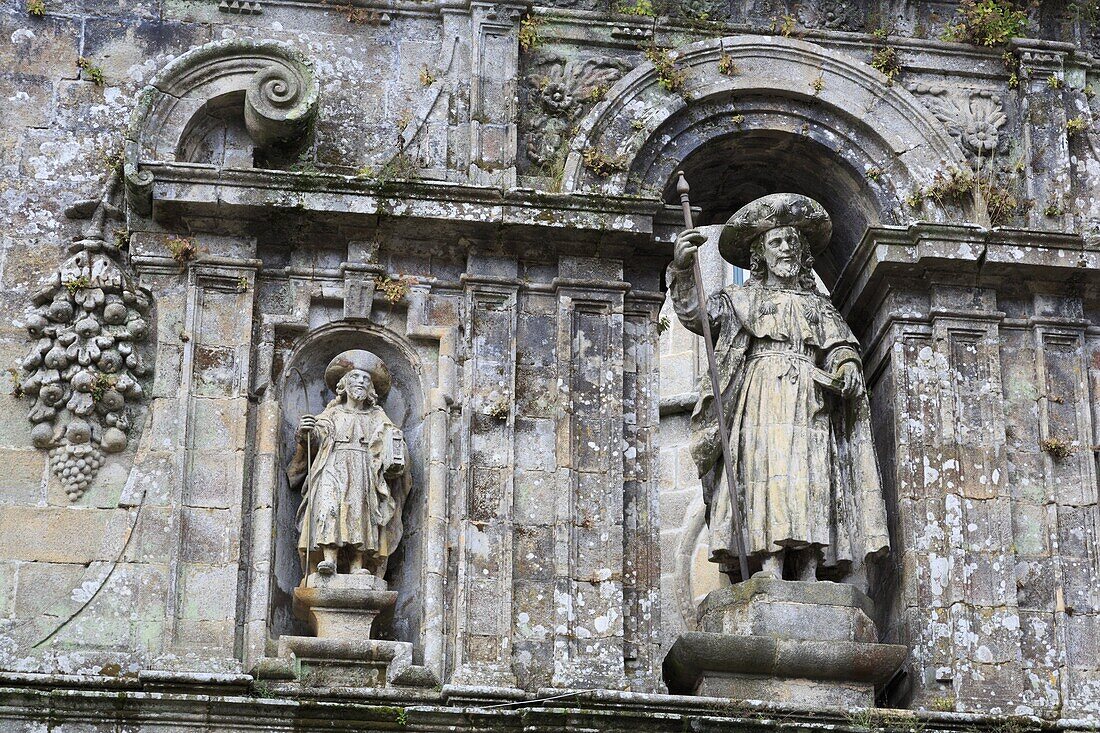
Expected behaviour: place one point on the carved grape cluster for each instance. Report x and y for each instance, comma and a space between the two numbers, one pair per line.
84, 367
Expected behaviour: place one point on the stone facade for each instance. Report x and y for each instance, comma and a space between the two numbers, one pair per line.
482, 194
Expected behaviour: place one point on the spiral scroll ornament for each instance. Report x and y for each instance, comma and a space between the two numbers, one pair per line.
84, 369
280, 101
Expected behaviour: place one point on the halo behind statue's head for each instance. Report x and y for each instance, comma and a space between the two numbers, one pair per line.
363, 360
766, 213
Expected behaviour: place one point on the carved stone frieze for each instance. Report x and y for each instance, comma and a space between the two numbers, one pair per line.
836, 15
974, 118
84, 368
561, 91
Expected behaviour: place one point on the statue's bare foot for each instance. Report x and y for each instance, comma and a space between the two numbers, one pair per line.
326, 567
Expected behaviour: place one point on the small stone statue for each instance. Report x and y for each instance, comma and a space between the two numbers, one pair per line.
350, 465
792, 388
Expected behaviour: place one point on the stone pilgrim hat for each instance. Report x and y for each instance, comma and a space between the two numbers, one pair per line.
345, 361
769, 212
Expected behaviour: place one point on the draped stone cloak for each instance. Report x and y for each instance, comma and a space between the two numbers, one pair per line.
349, 499
806, 470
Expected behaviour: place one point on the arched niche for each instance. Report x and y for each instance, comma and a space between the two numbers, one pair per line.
268, 87
758, 115
302, 391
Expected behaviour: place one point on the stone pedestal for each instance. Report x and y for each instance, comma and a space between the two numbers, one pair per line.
342, 606
340, 610
786, 641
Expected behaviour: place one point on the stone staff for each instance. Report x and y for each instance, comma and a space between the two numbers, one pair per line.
723, 433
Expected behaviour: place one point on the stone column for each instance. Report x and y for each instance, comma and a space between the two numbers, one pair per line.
495, 52
588, 538
483, 505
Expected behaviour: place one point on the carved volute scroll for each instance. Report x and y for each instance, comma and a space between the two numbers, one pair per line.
275, 84
84, 368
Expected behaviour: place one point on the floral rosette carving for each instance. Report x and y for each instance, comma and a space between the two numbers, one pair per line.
561, 92
974, 118
84, 368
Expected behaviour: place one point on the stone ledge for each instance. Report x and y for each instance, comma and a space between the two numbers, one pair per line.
91, 705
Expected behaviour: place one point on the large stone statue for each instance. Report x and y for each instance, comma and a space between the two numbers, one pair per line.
350, 465
792, 389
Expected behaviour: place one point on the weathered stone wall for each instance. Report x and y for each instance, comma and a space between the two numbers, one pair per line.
479, 192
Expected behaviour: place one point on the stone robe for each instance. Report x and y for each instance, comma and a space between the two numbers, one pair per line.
805, 468
351, 501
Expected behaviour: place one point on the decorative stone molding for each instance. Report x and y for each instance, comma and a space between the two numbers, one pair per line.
622, 126
279, 93
561, 92
974, 118
84, 368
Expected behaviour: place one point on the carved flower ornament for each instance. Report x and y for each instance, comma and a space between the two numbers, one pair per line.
981, 128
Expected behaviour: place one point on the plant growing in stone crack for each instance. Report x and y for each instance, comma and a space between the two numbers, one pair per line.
500, 408
1056, 448
16, 383
663, 324
394, 288
1076, 125
75, 284
427, 78
942, 704
1055, 82
887, 61
183, 250
402, 717
638, 7
91, 72
601, 164
242, 284
100, 386
784, 25
37, 8
727, 66
737, 119
529, 33
261, 688
986, 23
874, 173
670, 78
1055, 208
818, 84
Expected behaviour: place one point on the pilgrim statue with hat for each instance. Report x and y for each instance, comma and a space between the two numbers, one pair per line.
350, 464
792, 393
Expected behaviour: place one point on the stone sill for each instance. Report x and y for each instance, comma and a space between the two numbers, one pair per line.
72, 699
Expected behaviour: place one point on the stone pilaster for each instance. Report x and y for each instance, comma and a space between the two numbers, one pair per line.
483, 602
1045, 147
588, 541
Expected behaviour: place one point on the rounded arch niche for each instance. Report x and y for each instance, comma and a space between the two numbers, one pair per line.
761, 115
302, 391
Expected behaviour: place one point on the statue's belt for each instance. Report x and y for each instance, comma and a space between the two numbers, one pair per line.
820, 376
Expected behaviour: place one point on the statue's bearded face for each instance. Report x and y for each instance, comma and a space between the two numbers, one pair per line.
358, 386
783, 251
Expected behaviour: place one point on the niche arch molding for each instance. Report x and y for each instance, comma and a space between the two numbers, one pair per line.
877, 136
274, 83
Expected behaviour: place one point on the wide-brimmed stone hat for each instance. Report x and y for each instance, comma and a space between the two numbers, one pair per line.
345, 361
769, 212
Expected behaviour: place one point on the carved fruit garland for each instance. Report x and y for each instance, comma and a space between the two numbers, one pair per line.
84, 368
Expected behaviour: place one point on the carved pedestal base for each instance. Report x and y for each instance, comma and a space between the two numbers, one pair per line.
342, 606
341, 610
813, 643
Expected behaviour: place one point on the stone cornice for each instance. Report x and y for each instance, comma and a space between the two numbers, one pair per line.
184, 189
961, 249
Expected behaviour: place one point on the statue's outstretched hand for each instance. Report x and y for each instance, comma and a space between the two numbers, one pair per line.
306, 425
687, 244
850, 374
